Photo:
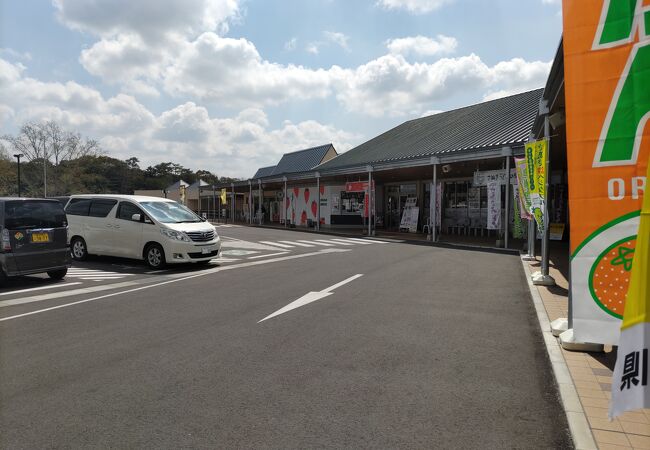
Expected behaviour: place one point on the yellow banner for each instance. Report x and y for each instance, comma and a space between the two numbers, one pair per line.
223, 196
535, 154
637, 307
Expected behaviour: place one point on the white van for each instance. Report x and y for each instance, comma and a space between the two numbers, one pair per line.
158, 230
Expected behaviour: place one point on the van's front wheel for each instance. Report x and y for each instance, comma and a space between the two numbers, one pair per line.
78, 249
155, 256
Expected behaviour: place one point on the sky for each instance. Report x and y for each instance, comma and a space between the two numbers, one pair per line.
231, 85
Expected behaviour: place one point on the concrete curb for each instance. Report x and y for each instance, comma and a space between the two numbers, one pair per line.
583, 438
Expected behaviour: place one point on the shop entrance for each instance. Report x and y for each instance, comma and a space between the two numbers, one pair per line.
396, 197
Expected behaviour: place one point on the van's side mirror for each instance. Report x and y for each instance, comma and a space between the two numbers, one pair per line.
135, 217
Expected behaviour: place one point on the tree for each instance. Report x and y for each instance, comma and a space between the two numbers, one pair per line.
47, 141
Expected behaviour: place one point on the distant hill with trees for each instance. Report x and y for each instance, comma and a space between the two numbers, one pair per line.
57, 162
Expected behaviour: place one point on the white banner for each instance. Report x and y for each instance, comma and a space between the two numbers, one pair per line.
630, 380
494, 206
498, 176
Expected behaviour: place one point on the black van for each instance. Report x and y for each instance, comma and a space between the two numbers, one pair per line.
33, 237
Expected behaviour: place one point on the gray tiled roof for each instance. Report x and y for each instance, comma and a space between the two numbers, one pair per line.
301, 160
198, 183
264, 172
497, 123
177, 185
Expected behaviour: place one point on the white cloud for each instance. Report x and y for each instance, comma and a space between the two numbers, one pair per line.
339, 39
291, 44
10, 52
150, 19
391, 85
313, 48
414, 6
232, 72
185, 134
421, 45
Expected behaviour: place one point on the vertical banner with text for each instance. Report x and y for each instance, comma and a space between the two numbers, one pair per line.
535, 156
607, 91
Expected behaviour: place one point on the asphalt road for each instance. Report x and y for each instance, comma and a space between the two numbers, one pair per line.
428, 348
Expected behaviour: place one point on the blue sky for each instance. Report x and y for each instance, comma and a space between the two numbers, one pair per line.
229, 85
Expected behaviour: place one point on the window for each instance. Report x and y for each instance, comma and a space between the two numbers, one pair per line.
101, 208
126, 211
171, 212
21, 214
78, 207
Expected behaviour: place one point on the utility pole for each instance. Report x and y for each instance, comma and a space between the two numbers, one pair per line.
18, 156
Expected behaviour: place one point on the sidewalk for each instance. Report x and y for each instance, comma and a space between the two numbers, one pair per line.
591, 374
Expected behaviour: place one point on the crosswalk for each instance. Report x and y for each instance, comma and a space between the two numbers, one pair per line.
300, 243
95, 274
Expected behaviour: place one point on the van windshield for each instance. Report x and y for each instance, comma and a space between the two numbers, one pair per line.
170, 212
28, 214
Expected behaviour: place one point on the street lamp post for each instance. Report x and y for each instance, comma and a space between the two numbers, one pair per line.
18, 156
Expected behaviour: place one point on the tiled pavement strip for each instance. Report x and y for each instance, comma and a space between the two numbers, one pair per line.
585, 379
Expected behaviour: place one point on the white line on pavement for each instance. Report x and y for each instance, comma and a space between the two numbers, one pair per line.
276, 244
52, 286
355, 241
299, 244
340, 242
179, 277
267, 256
53, 295
324, 244
327, 243
368, 240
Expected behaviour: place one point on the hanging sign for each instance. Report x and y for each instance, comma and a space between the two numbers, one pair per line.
607, 90
358, 186
494, 206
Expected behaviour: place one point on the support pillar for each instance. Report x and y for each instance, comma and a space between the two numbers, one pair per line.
369, 200
507, 153
233, 208
543, 278
433, 211
261, 199
318, 201
250, 202
284, 202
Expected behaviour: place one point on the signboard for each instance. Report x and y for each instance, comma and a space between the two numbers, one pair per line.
606, 54
358, 186
410, 215
498, 176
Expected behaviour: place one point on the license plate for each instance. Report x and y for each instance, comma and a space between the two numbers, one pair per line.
40, 237
206, 251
